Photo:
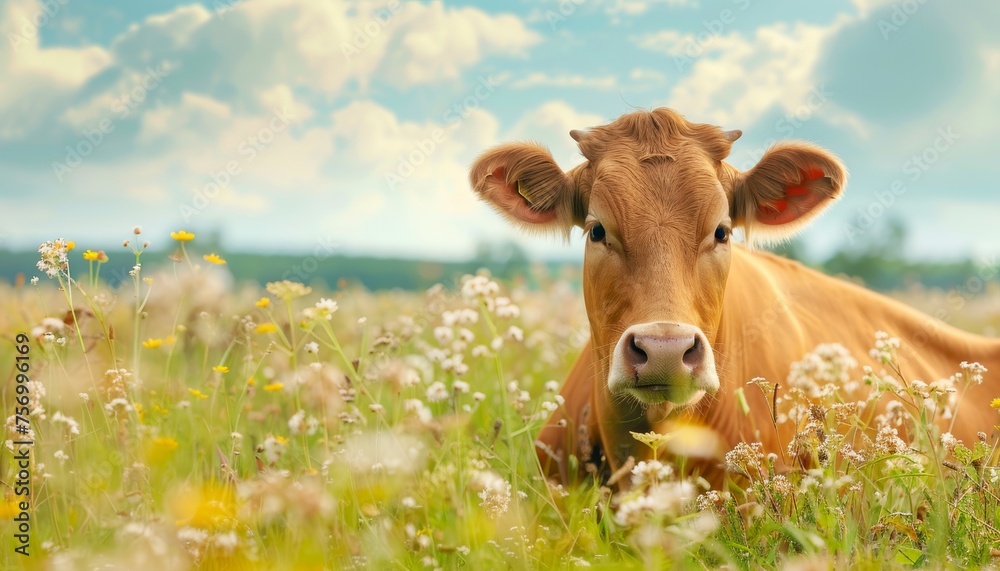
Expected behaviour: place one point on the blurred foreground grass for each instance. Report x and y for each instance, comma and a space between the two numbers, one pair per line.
183, 422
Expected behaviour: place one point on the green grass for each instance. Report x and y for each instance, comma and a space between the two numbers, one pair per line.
245, 435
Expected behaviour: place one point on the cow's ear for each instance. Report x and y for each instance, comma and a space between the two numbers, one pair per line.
522, 182
791, 185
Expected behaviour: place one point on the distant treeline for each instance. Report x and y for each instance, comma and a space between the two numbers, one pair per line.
506, 261
877, 264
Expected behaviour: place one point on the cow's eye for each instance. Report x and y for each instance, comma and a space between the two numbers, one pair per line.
722, 234
597, 233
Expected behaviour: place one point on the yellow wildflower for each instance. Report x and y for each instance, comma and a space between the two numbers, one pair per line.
182, 236
281, 439
160, 449
263, 302
274, 387
220, 369
197, 394
90, 255
251, 381
70, 245
208, 507
266, 328
995, 403
152, 343
214, 259
170, 339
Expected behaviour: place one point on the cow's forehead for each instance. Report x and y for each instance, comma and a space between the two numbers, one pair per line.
652, 133
680, 197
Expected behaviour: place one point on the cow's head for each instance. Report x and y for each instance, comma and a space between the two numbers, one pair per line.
657, 205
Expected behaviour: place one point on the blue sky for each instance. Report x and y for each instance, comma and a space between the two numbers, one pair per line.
277, 121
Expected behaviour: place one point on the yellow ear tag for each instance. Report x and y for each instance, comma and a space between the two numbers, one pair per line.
520, 190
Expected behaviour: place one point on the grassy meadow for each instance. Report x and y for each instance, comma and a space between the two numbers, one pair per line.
181, 421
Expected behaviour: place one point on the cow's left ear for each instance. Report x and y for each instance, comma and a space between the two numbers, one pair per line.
791, 185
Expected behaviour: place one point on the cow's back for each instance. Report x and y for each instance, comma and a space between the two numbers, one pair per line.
777, 310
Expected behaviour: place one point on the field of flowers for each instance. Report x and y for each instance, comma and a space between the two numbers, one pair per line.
181, 421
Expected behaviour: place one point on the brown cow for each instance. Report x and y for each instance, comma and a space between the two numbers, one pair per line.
676, 311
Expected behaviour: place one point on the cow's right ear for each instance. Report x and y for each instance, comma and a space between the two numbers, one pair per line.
522, 182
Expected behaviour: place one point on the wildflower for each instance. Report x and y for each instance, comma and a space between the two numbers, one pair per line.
650, 473
274, 387
515, 333
90, 256
134, 272
885, 347
652, 439
61, 456
408, 503
182, 236
220, 369
949, 441
443, 334
995, 403
152, 343
326, 307
72, 426
263, 302
417, 408
494, 493
312, 347
551, 386
117, 406
226, 542
479, 287
745, 458
160, 450
437, 392
197, 394
505, 309
272, 448
34, 280
299, 424
662, 500
973, 372
264, 328
54, 257
478, 396
460, 387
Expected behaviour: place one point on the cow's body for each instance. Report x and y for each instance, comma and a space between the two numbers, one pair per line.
775, 311
680, 318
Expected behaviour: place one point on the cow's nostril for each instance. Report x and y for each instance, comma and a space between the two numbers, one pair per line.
636, 355
695, 354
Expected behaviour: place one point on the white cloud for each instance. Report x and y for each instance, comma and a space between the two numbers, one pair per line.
539, 79
732, 80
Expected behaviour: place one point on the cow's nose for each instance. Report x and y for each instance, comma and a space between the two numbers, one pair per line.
657, 355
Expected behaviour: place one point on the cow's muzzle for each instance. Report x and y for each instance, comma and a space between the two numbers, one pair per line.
663, 362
